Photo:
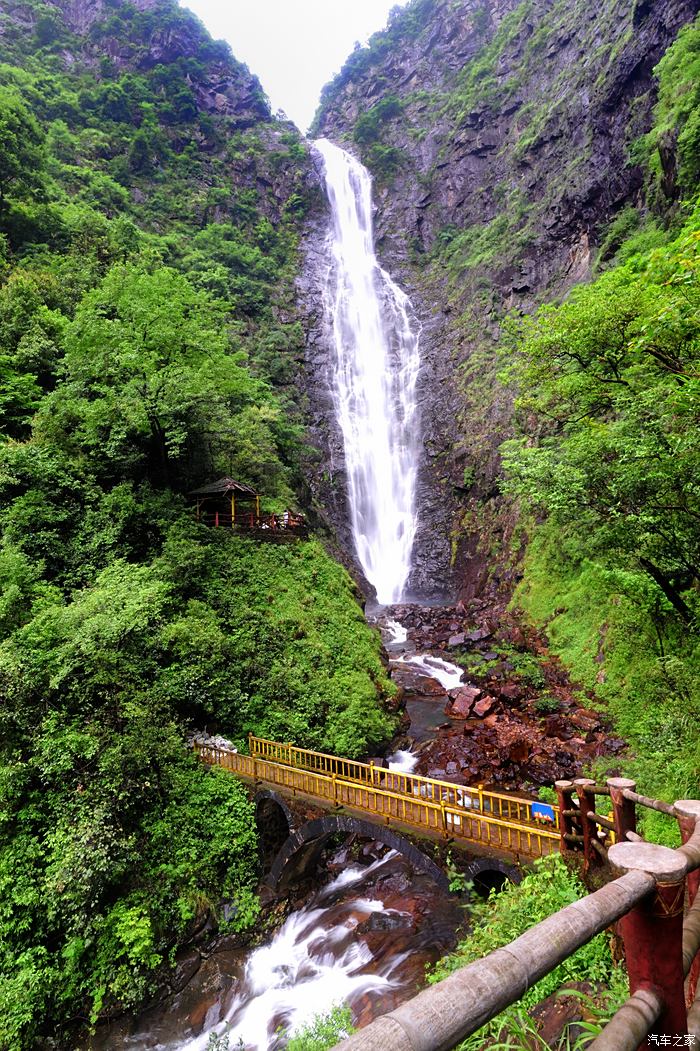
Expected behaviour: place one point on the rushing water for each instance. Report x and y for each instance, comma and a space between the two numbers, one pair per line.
450, 676
396, 632
364, 939
376, 368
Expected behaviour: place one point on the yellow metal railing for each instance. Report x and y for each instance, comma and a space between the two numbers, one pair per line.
439, 808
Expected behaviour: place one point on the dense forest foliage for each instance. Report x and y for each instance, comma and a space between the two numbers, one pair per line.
150, 213
147, 253
609, 408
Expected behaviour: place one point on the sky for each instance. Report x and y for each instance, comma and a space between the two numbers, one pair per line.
293, 46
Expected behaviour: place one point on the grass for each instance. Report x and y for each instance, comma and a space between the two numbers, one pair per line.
640, 664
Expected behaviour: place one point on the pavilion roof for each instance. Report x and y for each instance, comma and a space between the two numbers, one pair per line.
221, 487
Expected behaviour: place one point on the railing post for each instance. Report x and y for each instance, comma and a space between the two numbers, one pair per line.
688, 815
624, 810
564, 790
250, 743
652, 931
586, 802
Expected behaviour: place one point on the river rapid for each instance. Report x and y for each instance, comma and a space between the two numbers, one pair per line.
363, 938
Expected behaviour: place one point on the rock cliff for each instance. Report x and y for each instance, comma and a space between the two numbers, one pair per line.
156, 33
501, 136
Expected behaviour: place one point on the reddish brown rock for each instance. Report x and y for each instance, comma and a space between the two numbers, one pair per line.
461, 705
583, 721
485, 706
555, 726
519, 752
511, 691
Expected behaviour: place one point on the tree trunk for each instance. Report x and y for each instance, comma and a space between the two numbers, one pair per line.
668, 589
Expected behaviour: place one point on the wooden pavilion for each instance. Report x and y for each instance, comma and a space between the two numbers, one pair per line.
217, 502
235, 505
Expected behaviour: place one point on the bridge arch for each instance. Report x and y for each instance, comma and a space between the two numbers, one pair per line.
303, 847
275, 823
488, 874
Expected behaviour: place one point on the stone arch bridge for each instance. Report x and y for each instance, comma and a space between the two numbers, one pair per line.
304, 798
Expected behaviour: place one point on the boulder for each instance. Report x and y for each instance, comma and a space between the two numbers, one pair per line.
460, 707
456, 640
583, 721
484, 707
479, 634
511, 692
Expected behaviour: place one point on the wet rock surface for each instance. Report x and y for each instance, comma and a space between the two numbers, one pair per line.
516, 722
383, 921
500, 201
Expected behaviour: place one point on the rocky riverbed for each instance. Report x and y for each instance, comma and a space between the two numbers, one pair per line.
515, 721
364, 936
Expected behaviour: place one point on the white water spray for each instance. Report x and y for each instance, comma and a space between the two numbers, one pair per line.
376, 343
306, 968
450, 676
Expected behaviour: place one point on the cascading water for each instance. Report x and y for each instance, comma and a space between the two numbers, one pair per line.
376, 368
364, 938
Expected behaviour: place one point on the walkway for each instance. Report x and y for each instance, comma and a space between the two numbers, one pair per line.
503, 824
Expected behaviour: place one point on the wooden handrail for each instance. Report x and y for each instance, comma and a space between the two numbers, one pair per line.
287, 521
651, 804
448, 1012
642, 899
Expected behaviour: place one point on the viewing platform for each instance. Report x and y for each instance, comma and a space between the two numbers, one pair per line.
227, 504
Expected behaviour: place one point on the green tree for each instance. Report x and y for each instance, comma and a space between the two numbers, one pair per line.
152, 383
21, 158
610, 388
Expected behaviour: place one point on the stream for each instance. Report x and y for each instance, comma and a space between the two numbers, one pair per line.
363, 939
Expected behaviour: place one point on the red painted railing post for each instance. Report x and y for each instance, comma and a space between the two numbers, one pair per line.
586, 803
688, 814
216, 519
652, 931
624, 812
564, 791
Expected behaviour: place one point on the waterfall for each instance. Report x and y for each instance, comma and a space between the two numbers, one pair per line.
376, 366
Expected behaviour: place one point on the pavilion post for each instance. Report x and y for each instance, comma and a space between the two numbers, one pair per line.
233, 509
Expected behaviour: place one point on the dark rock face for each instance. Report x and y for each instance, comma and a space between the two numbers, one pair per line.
512, 126
225, 87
